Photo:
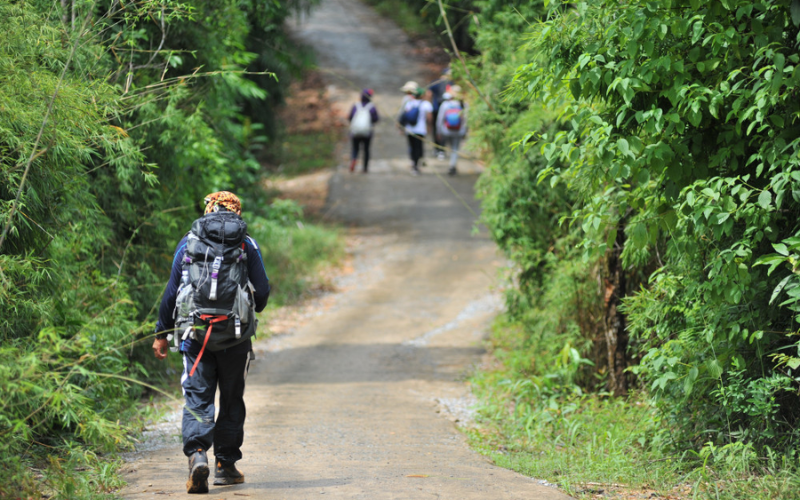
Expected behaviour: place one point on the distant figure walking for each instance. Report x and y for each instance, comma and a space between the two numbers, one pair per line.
451, 124
363, 117
415, 115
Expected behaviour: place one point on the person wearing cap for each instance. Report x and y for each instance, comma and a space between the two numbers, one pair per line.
361, 127
451, 124
416, 132
225, 369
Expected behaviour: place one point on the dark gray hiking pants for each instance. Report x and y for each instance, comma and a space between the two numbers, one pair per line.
228, 370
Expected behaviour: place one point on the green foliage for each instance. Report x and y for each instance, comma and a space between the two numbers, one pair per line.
533, 419
115, 121
297, 250
681, 130
555, 298
412, 16
77, 474
423, 18
302, 153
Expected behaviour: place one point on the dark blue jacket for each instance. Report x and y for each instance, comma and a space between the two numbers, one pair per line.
255, 272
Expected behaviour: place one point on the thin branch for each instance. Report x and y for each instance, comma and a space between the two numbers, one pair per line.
163, 38
461, 58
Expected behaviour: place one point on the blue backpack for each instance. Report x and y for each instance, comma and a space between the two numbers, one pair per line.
410, 116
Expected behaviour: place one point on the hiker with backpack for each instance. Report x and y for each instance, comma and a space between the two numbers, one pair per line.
437, 89
363, 117
217, 285
415, 115
451, 124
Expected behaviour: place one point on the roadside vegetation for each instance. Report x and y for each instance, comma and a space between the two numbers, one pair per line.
115, 121
643, 177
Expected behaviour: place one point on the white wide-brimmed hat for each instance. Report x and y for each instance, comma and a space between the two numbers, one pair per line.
454, 91
409, 86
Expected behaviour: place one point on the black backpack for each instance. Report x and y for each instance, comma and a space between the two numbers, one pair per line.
215, 296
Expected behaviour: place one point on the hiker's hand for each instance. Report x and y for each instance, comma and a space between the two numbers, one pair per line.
160, 348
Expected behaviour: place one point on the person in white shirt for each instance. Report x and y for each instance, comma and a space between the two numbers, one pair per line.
451, 124
415, 115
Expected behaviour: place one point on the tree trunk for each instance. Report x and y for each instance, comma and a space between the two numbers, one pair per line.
65, 11
615, 332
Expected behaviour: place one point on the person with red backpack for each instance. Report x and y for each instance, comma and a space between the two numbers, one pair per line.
451, 124
363, 117
437, 89
217, 285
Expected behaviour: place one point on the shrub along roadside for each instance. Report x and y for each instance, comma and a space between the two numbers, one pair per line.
294, 250
534, 420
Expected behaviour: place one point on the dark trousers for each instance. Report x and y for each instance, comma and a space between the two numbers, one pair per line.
228, 370
415, 149
357, 142
437, 139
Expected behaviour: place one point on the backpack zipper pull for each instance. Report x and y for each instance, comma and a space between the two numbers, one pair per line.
212, 294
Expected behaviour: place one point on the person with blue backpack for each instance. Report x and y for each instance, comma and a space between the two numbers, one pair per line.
414, 117
217, 285
451, 124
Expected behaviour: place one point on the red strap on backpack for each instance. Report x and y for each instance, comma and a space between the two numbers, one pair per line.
211, 320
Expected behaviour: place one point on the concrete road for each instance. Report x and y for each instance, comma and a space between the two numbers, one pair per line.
360, 402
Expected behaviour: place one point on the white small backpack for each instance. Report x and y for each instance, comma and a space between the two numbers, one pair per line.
361, 124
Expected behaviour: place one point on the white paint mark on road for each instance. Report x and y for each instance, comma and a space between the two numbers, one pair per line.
485, 305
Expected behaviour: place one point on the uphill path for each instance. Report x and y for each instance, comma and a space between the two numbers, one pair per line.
360, 401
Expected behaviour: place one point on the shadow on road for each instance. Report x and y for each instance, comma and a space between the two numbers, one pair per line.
354, 363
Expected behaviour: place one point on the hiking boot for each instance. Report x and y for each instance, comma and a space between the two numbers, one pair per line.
452, 171
198, 473
227, 475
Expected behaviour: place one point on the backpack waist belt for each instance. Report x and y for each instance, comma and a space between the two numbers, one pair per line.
211, 318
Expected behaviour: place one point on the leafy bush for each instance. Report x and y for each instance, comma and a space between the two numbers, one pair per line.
681, 136
115, 120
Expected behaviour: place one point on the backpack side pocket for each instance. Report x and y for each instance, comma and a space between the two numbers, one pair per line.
243, 306
184, 304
